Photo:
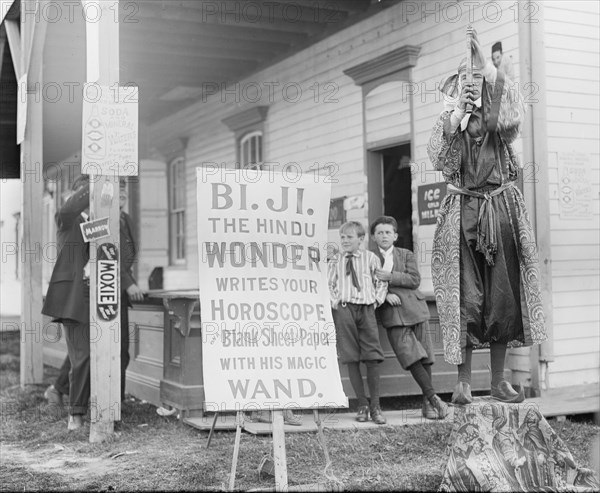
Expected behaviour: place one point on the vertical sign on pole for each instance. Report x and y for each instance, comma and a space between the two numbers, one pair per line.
105, 155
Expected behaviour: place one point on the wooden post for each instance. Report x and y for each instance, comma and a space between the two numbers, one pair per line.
279, 456
102, 38
236, 449
27, 50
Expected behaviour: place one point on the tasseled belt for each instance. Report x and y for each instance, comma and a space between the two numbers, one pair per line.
486, 222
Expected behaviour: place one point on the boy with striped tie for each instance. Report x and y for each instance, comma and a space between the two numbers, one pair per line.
355, 292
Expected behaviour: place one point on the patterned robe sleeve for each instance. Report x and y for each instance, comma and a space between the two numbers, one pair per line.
444, 149
512, 112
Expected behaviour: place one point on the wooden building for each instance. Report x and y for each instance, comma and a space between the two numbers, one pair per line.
347, 89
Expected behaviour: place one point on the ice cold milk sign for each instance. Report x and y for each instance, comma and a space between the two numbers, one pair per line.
268, 335
429, 201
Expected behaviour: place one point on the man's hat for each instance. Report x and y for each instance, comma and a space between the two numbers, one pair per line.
80, 181
497, 46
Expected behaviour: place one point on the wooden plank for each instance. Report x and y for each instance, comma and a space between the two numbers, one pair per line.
2, 44
586, 14
575, 347
32, 369
105, 348
175, 65
566, 315
14, 41
347, 5
236, 450
567, 363
184, 28
279, 455
310, 12
577, 299
248, 16
144, 47
166, 42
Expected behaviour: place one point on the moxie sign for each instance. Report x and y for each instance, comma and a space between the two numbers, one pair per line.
429, 201
107, 279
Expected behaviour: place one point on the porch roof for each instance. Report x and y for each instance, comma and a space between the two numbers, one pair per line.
175, 51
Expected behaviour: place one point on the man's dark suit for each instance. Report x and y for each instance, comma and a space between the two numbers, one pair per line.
128, 251
65, 298
404, 283
406, 325
68, 301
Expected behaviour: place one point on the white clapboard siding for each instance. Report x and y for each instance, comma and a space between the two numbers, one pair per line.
387, 112
571, 46
574, 330
565, 379
567, 283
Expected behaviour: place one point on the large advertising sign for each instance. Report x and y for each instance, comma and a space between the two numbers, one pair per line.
268, 338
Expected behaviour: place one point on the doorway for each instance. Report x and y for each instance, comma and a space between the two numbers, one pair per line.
396, 190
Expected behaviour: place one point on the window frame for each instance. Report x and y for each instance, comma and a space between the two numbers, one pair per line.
176, 184
256, 163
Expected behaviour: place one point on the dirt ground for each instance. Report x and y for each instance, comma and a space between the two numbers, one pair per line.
152, 452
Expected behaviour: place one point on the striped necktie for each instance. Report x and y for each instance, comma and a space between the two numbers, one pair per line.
351, 272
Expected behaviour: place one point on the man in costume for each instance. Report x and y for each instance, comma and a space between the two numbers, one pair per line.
484, 262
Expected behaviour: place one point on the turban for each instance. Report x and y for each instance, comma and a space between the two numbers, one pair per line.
451, 87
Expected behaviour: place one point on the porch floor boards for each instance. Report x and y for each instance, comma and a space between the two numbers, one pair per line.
581, 399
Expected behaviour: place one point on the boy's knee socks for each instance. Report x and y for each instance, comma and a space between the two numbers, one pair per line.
357, 383
373, 375
421, 376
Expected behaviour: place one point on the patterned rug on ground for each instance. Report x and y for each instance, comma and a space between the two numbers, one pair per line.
509, 447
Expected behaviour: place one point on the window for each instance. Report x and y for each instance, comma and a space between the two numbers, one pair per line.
248, 127
177, 198
251, 151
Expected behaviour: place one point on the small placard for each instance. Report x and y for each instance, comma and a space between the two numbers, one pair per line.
337, 214
107, 280
575, 190
110, 130
429, 200
92, 230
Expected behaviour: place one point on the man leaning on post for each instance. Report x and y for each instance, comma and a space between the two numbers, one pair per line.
67, 300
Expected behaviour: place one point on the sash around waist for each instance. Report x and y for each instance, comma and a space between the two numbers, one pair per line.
486, 220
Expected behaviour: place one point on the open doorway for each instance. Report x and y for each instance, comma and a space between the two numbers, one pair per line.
397, 192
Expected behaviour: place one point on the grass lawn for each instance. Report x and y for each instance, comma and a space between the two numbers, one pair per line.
150, 452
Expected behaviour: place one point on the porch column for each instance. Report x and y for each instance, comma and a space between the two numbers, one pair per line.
27, 48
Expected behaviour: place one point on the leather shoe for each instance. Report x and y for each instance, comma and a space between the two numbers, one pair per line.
440, 407
54, 397
377, 417
289, 418
427, 410
504, 392
462, 394
75, 422
362, 416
